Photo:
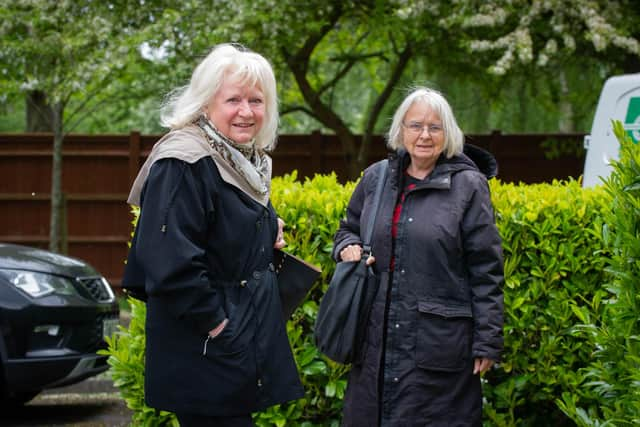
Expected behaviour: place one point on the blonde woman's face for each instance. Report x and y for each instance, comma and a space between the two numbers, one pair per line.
237, 111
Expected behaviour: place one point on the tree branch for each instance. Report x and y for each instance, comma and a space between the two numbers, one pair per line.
297, 109
350, 60
298, 63
376, 109
87, 98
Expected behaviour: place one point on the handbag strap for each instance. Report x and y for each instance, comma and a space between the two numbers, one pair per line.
376, 206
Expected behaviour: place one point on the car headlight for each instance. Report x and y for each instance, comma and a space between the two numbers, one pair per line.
38, 284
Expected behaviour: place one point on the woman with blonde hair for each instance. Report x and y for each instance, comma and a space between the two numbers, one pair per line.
216, 343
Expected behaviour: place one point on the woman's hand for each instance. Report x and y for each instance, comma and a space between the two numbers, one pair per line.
218, 329
354, 253
280, 243
482, 365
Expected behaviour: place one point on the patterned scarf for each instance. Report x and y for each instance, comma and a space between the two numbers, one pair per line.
245, 159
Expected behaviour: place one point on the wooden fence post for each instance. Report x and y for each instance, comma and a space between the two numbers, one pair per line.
317, 153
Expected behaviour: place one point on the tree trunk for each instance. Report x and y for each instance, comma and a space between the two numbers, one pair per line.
39, 113
55, 229
566, 122
355, 164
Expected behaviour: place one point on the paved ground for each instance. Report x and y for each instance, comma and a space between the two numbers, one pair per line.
91, 403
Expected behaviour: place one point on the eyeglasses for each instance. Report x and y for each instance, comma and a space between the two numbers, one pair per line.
417, 127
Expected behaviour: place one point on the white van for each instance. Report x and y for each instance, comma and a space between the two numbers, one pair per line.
619, 100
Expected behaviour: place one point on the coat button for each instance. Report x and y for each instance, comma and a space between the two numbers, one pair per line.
410, 219
397, 325
395, 380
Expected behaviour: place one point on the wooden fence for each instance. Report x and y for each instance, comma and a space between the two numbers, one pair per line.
98, 171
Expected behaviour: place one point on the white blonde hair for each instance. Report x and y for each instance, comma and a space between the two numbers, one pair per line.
453, 136
237, 64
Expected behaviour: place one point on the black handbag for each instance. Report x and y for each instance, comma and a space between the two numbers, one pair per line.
295, 279
344, 310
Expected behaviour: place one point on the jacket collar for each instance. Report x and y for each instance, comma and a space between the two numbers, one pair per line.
189, 144
440, 177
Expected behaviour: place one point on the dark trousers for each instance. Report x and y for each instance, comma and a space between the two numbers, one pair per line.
194, 420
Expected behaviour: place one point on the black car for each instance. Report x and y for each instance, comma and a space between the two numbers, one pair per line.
54, 314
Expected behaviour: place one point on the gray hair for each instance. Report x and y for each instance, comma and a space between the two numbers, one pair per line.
453, 136
225, 61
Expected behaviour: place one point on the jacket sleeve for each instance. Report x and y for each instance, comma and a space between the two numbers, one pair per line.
483, 253
171, 244
349, 230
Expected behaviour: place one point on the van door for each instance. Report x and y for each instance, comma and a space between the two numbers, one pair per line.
619, 100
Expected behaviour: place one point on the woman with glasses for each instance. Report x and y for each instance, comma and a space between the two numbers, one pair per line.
436, 322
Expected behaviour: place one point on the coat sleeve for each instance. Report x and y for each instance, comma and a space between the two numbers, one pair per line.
483, 253
171, 244
349, 230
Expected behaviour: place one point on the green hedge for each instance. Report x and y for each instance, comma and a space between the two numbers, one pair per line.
554, 265
554, 270
610, 392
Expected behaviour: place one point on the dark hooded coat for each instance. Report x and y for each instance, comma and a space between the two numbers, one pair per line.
439, 309
203, 247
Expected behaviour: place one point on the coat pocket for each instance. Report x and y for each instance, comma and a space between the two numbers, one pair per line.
237, 336
224, 345
443, 338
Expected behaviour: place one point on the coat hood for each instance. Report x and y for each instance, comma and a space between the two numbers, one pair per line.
444, 166
473, 157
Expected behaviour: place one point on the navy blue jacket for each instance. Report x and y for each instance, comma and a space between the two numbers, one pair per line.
204, 249
439, 308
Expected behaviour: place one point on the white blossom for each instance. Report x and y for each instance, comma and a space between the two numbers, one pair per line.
569, 42
543, 59
627, 43
490, 18
571, 21
29, 85
551, 47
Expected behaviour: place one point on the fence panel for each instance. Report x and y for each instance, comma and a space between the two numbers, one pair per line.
98, 171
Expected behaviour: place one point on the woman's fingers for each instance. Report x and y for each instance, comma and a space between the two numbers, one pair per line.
280, 242
351, 253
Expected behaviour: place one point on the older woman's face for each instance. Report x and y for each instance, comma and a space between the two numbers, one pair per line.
423, 135
237, 111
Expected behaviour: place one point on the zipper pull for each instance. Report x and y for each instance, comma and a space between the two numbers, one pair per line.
204, 350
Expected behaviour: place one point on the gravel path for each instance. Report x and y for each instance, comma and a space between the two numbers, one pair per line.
93, 402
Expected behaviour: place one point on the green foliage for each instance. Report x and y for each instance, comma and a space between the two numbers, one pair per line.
613, 378
554, 265
311, 211
126, 358
554, 274
12, 114
348, 50
79, 54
